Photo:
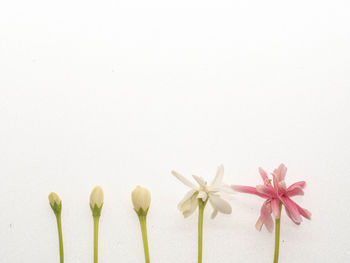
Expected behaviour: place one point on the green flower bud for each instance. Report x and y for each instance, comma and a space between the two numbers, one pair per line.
96, 201
55, 203
141, 199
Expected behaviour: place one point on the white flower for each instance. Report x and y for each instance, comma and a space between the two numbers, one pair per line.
212, 192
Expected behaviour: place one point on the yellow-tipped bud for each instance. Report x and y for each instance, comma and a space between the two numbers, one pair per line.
141, 199
55, 202
96, 200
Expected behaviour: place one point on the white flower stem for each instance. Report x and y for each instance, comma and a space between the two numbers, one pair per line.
201, 206
143, 224
96, 222
277, 236
60, 238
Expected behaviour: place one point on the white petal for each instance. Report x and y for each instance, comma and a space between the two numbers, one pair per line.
187, 204
191, 211
190, 205
202, 195
187, 197
183, 180
214, 214
223, 188
215, 211
200, 181
220, 204
219, 175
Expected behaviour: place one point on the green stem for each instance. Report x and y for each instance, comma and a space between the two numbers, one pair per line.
60, 238
143, 224
96, 221
277, 236
201, 206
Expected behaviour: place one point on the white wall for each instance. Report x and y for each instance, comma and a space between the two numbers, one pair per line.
118, 93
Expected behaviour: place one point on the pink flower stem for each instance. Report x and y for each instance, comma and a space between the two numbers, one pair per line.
277, 235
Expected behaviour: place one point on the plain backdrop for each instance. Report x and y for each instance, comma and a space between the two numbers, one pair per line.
119, 93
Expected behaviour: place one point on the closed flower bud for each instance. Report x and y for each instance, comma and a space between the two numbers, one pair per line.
55, 203
96, 201
141, 199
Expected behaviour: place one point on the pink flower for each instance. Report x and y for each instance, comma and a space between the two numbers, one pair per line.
274, 194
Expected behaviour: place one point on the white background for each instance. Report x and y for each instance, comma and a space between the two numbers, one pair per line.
118, 93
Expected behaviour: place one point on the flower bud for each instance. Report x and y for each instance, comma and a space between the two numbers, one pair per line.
141, 199
96, 201
55, 203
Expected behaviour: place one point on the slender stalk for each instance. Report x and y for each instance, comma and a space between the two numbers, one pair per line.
277, 236
201, 206
143, 224
96, 221
60, 238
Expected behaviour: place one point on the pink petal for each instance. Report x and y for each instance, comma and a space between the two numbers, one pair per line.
275, 204
295, 191
304, 212
278, 178
296, 188
275, 184
288, 214
280, 186
291, 209
300, 184
266, 217
264, 176
281, 172
266, 190
248, 190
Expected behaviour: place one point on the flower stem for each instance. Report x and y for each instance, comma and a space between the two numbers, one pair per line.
96, 222
201, 206
60, 238
277, 236
143, 224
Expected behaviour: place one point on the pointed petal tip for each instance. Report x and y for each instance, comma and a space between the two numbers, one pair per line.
263, 175
214, 214
306, 213
259, 224
262, 171
185, 215
309, 214
282, 166
270, 230
183, 180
